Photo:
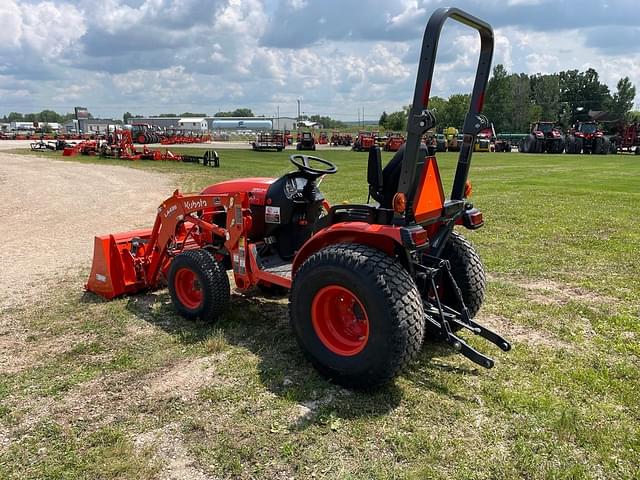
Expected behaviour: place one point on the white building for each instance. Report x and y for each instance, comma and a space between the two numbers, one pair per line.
199, 124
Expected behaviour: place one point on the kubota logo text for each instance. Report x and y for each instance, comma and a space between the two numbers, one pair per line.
170, 211
191, 204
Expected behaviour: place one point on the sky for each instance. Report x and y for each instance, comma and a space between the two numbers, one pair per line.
337, 57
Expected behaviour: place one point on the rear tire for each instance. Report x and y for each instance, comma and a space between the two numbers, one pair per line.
468, 272
198, 285
356, 314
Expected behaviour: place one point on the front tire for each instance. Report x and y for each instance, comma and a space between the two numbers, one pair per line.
198, 285
356, 314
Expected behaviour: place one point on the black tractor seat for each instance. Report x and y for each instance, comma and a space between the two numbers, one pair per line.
383, 183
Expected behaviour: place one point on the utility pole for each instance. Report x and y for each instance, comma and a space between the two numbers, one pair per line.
299, 113
278, 116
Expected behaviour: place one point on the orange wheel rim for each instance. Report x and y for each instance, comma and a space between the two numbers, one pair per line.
340, 320
188, 288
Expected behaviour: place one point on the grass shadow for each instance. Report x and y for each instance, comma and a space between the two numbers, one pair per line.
260, 324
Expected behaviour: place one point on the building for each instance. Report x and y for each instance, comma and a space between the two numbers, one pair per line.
16, 126
170, 123
194, 124
219, 124
90, 125
240, 123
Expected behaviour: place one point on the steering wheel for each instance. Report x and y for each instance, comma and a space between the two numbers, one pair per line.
303, 162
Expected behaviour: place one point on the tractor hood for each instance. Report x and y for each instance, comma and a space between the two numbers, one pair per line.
256, 187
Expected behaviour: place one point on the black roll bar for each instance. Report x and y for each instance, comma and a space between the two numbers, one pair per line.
421, 119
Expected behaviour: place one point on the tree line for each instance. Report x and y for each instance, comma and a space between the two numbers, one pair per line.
514, 100
45, 116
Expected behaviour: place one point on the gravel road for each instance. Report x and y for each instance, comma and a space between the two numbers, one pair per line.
51, 210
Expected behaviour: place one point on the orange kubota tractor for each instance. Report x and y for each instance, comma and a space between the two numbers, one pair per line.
367, 282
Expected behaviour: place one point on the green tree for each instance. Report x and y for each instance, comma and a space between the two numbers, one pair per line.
397, 120
583, 91
498, 104
243, 112
383, 120
545, 93
193, 115
457, 108
327, 122
622, 101
238, 112
521, 101
440, 108
126, 117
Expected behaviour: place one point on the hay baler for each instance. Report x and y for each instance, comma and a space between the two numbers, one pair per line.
367, 282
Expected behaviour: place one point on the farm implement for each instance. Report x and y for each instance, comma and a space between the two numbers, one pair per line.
119, 144
368, 282
341, 139
181, 138
627, 139
265, 141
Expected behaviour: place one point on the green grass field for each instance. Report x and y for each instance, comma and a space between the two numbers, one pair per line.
137, 390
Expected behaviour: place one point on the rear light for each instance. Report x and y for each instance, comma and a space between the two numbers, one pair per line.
419, 236
472, 219
414, 237
399, 203
468, 189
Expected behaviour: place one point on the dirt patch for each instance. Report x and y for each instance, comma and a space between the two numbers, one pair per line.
171, 452
549, 292
185, 379
19, 350
516, 333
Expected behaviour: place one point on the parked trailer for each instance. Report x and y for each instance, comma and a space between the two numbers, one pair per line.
628, 139
269, 141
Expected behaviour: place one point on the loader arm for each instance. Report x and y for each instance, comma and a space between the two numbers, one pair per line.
133, 261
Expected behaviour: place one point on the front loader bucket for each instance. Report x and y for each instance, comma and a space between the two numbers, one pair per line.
70, 152
113, 272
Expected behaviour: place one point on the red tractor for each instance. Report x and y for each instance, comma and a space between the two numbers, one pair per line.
394, 142
544, 137
367, 282
364, 141
587, 137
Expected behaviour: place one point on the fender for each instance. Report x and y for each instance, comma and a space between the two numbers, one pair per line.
383, 237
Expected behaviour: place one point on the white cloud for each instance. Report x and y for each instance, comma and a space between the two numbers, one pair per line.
150, 56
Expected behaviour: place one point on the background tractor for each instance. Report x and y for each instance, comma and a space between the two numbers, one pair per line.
587, 137
364, 141
544, 137
367, 281
307, 141
453, 139
394, 142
